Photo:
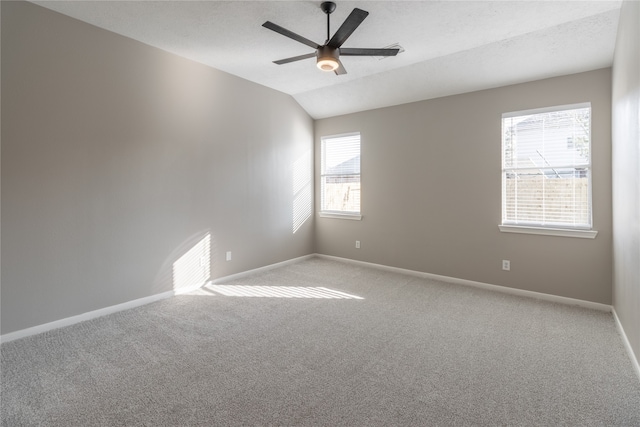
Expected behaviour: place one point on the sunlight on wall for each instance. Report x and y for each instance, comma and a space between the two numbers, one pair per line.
301, 190
193, 269
275, 292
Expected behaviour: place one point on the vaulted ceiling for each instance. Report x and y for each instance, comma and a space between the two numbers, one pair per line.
450, 47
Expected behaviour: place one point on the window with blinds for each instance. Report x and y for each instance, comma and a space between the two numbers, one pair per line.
546, 167
340, 174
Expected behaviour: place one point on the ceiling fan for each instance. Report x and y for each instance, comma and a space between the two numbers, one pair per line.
328, 54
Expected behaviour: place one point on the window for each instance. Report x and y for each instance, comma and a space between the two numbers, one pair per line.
546, 171
340, 176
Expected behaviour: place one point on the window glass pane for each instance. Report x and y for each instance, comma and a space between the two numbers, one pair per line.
341, 193
341, 155
536, 196
557, 138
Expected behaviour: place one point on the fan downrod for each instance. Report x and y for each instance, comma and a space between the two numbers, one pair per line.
328, 7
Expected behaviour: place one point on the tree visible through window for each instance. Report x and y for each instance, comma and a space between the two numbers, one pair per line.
546, 167
340, 174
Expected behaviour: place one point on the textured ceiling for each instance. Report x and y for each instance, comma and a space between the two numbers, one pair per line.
450, 46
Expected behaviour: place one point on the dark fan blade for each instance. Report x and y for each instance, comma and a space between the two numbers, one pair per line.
295, 58
340, 69
368, 52
290, 34
348, 26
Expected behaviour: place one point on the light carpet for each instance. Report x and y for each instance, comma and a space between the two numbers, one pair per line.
322, 342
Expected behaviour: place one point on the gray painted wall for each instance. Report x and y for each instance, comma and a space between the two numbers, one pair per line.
431, 191
626, 173
118, 158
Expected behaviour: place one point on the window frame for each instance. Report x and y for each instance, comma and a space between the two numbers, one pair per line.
544, 229
350, 215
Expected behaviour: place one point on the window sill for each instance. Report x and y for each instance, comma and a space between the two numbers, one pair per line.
584, 234
337, 215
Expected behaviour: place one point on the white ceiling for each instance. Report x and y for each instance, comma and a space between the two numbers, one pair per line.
450, 46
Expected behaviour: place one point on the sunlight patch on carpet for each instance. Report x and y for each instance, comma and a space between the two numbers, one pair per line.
278, 292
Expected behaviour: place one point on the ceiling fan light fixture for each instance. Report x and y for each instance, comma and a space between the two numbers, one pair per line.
327, 64
327, 59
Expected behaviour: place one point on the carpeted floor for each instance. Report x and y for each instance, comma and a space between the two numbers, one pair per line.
325, 343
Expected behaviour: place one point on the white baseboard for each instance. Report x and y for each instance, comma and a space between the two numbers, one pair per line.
68, 321
23, 333
627, 344
497, 288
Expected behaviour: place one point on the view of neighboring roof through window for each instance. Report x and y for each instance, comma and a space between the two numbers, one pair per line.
340, 176
546, 169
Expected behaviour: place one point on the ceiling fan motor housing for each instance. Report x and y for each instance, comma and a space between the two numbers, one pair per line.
327, 58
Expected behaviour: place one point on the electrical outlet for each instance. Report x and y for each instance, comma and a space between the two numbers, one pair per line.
228, 255
506, 265
357, 244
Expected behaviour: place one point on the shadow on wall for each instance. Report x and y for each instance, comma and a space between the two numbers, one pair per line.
188, 266
302, 194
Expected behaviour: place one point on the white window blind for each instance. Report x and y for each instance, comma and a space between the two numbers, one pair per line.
340, 174
546, 167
